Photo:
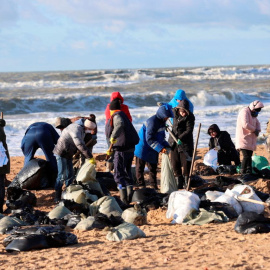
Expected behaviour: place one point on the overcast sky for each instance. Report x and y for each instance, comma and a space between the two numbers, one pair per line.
37, 35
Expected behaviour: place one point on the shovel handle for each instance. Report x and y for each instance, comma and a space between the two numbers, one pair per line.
243, 199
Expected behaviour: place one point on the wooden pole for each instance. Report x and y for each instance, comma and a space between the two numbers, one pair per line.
2, 115
193, 157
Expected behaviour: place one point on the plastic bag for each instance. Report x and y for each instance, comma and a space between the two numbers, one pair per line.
180, 203
259, 162
167, 180
225, 198
210, 159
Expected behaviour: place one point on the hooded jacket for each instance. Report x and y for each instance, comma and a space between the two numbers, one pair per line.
71, 139
152, 136
223, 139
124, 108
180, 95
245, 127
183, 127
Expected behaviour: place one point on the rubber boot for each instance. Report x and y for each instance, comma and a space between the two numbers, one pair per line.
57, 198
179, 181
129, 193
123, 195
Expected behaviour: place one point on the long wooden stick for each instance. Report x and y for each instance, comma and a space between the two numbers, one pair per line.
243, 199
2, 115
193, 157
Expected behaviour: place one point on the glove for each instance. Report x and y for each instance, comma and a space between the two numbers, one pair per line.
163, 151
217, 148
109, 152
112, 140
92, 161
257, 132
179, 142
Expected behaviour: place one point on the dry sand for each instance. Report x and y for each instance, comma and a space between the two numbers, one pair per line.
211, 246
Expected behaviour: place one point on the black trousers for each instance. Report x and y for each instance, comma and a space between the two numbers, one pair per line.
140, 165
178, 160
2, 191
246, 165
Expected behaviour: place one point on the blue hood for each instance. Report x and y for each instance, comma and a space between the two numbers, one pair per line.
164, 111
180, 95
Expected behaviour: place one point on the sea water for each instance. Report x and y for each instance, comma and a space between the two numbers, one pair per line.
218, 93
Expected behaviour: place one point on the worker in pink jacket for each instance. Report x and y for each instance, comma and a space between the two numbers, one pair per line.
247, 130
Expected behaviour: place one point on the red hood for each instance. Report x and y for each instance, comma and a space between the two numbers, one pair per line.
115, 95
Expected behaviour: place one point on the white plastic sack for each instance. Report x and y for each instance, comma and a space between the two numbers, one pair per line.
247, 192
212, 195
167, 180
125, 231
59, 212
210, 159
180, 203
86, 173
225, 198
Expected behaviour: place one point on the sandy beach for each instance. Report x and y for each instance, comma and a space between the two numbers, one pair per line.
167, 246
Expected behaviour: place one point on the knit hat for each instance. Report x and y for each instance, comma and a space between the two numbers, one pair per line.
89, 124
61, 122
183, 105
115, 105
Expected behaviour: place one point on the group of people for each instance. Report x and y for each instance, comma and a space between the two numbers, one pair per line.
78, 136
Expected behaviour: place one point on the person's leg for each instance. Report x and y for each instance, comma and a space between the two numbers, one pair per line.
29, 146
186, 166
176, 162
140, 165
152, 174
70, 172
235, 157
61, 176
129, 180
2, 191
246, 165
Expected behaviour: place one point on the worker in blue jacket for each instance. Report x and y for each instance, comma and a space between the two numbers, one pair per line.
152, 142
40, 135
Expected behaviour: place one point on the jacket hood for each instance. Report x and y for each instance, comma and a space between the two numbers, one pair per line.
183, 104
180, 95
115, 95
80, 122
255, 105
215, 128
164, 111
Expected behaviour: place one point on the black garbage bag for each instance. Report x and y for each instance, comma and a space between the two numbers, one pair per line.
263, 196
227, 209
265, 173
28, 215
18, 198
38, 238
148, 198
72, 220
226, 169
251, 223
76, 208
90, 190
248, 177
106, 179
222, 181
197, 181
103, 221
34, 175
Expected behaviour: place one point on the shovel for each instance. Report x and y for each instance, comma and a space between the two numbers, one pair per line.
266, 205
188, 158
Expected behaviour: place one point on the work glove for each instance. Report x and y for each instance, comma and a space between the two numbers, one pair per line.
109, 152
112, 140
217, 148
257, 132
179, 142
92, 161
164, 151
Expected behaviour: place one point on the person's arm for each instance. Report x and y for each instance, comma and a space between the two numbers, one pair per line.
151, 136
78, 140
244, 117
189, 129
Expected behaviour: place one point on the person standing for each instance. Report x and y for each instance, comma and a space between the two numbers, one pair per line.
183, 126
221, 141
123, 137
5, 169
152, 142
247, 130
71, 140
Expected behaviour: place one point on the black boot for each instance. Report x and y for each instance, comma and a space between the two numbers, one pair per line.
57, 198
179, 181
123, 195
129, 193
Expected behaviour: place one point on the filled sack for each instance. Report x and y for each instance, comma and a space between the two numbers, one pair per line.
210, 159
